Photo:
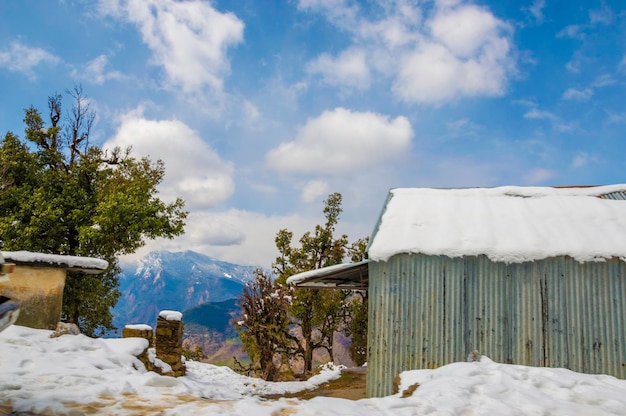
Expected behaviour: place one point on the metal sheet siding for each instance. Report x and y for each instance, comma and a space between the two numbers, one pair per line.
617, 195
428, 311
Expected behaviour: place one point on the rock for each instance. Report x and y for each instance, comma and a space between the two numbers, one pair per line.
65, 328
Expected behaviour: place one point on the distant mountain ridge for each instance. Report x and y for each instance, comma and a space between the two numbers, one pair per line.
177, 281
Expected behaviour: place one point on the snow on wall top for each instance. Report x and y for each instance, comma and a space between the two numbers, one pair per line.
171, 315
507, 224
55, 260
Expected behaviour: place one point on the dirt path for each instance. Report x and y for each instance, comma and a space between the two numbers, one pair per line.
351, 385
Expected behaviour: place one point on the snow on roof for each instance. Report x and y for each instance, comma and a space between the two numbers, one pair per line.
325, 271
507, 224
85, 264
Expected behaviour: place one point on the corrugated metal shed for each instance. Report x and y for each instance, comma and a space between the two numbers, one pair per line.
524, 275
428, 311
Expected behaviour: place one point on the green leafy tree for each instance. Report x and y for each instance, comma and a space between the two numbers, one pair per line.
196, 354
264, 325
317, 313
61, 195
356, 305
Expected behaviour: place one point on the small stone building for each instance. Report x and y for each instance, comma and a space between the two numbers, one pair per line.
38, 282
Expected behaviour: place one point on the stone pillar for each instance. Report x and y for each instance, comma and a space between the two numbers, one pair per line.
145, 332
169, 341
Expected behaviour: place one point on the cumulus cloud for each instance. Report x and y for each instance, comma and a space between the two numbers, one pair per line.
349, 69
440, 53
465, 30
238, 236
313, 190
341, 141
21, 58
96, 71
188, 39
193, 171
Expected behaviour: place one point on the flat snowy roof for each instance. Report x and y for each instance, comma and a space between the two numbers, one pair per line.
340, 276
507, 224
73, 263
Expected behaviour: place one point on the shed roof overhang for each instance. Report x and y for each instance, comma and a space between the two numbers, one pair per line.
354, 276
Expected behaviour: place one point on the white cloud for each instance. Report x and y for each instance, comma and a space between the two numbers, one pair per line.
604, 15
536, 10
617, 118
575, 63
577, 95
557, 123
349, 69
189, 39
465, 30
571, 31
96, 71
605, 80
313, 190
238, 236
193, 171
214, 229
342, 141
337, 11
622, 65
251, 113
433, 74
538, 176
459, 50
580, 160
458, 124
21, 58
536, 114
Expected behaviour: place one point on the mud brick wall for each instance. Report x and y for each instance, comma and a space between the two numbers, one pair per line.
169, 343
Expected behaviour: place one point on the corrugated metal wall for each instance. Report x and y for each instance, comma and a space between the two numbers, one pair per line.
426, 312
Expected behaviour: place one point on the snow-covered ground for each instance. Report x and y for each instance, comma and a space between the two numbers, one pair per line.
74, 374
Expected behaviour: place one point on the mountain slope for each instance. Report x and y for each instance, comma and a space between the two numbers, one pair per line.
177, 281
211, 326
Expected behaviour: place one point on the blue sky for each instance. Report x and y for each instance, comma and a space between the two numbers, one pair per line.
260, 109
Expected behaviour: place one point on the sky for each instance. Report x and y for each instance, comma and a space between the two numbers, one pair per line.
75, 374
261, 109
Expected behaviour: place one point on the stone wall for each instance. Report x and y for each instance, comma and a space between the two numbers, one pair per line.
145, 332
169, 341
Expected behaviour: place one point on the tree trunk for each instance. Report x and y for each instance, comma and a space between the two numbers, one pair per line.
307, 333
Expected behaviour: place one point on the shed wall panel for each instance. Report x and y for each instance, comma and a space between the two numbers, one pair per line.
428, 311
